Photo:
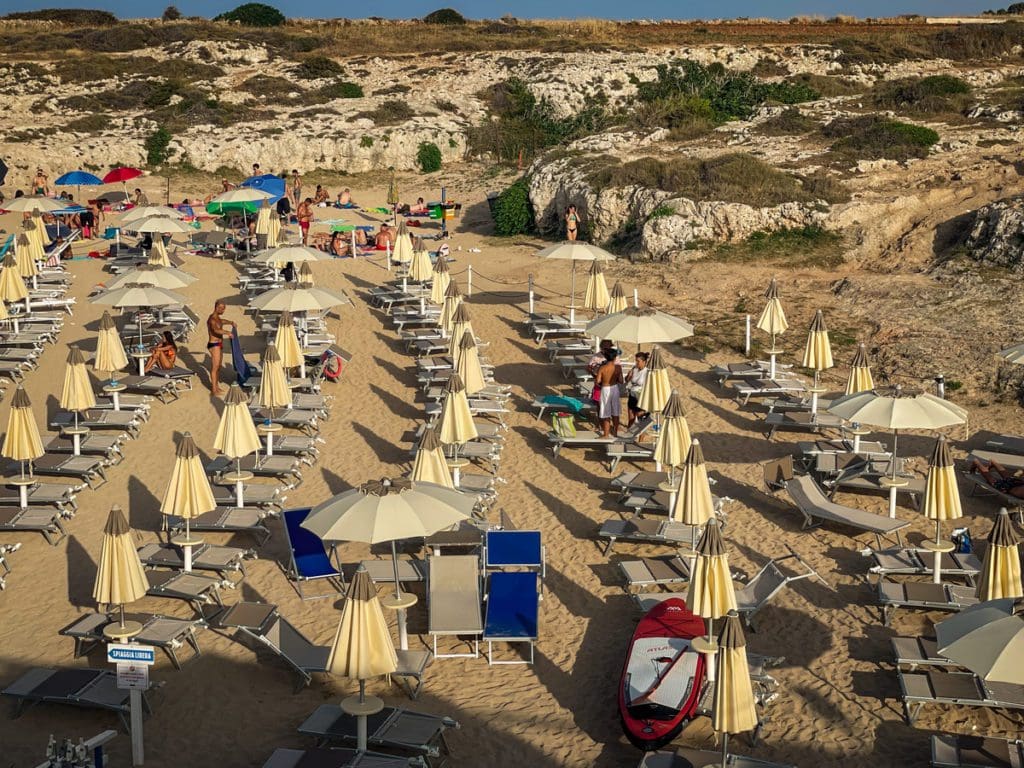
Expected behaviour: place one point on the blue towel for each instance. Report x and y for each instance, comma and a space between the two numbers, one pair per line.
6, 246
243, 370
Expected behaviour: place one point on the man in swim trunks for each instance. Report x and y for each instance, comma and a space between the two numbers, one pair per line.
215, 344
609, 378
305, 216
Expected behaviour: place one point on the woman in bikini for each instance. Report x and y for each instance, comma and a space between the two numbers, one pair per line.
164, 354
572, 222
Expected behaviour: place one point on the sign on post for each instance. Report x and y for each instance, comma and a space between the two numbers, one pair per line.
133, 677
119, 653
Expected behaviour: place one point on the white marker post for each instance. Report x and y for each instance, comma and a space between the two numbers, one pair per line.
133, 663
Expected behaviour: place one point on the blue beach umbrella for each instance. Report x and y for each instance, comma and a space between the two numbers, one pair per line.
269, 183
78, 179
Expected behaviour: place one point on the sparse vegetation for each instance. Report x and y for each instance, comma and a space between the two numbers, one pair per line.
158, 146
934, 95
789, 122
97, 67
445, 16
254, 15
316, 67
88, 124
873, 137
171, 13
76, 16
513, 214
809, 246
662, 211
389, 112
268, 86
428, 157
366, 142
827, 85
340, 89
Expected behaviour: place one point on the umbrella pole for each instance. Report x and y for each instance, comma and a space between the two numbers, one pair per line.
711, 656
394, 562
725, 749
572, 294
122, 615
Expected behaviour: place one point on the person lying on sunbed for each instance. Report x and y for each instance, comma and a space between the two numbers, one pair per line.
999, 477
420, 209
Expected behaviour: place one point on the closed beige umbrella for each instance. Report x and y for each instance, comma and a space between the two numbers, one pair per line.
452, 300
274, 231
469, 368
772, 321
673, 435
440, 280
860, 373
617, 301
403, 245
76, 395
263, 216
188, 493
430, 465
420, 269
158, 253
236, 434
120, 578
817, 354
25, 257
12, 286
4, 314
306, 275
287, 342
941, 500
110, 356
22, 442
362, 649
274, 391
457, 426
596, 297
37, 239
462, 321
656, 388
1000, 572
733, 710
711, 593
694, 504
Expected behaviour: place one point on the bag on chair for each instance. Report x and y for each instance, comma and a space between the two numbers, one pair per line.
564, 424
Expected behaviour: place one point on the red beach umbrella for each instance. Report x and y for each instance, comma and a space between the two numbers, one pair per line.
122, 174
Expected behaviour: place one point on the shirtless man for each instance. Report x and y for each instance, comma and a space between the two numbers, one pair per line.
305, 216
609, 379
215, 328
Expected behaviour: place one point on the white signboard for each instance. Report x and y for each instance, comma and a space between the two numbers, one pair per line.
121, 653
133, 676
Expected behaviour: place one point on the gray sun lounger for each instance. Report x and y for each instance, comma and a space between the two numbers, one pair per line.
194, 588
914, 652
166, 632
923, 596
303, 446
909, 561
644, 530
1011, 461
122, 421
87, 688
382, 570
746, 389
46, 521
586, 438
90, 469
59, 495
964, 689
284, 468
1007, 444
226, 520
93, 444
393, 728
628, 451
306, 421
205, 557
454, 601
808, 497
181, 377
970, 751
808, 422
699, 758
655, 571
261, 495
336, 758
154, 386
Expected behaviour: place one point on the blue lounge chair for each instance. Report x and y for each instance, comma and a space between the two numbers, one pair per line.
309, 561
514, 549
512, 599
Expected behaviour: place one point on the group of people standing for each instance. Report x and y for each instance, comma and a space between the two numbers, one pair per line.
610, 385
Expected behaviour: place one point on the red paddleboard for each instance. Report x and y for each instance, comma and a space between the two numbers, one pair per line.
662, 677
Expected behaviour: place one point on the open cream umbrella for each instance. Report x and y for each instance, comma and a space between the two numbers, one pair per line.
733, 710
142, 212
362, 649
941, 501
76, 395
26, 258
120, 578
188, 493
274, 391
298, 298
286, 340
452, 300
640, 325
29, 203
236, 435
292, 252
169, 278
238, 195
430, 465
860, 373
896, 410
656, 388
468, 367
773, 322
141, 297
306, 279
22, 442
673, 441
457, 425
110, 356
986, 638
420, 269
617, 301
694, 505
440, 280
1000, 572
596, 297
462, 321
817, 354
574, 251
12, 286
710, 594
403, 252
161, 225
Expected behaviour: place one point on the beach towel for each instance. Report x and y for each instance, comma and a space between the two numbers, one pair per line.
566, 403
243, 370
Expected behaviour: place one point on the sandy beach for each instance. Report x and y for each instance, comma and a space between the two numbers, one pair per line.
838, 702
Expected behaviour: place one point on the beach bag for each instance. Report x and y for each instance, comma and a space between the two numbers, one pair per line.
595, 394
564, 425
962, 539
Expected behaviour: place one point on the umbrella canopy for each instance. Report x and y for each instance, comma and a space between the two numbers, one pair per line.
402, 252
462, 321
242, 199
1000, 572
674, 434
298, 298
143, 212
77, 394
110, 354
452, 299
430, 465
694, 504
818, 351
457, 426
287, 342
987, 638
168, 278
574, 250
78, 179
772, 320
136, 295
23, 255
274, 391
733, 710
35, 230
306, 275
295, 254
29, 203
12, 286
120, 577
942, 493
617, 301
4, 314
596, 297
362, 645
160, 225
711, 592
860, 373
420, 269
236, 434
272, 185
640, 325
895, 409
188, 493
274, 231
440, 281
656, 389
22, 442
121, 174
468, 367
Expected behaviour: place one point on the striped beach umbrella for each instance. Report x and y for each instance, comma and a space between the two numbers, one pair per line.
860, 373
120, 577
430, 465
1000, 572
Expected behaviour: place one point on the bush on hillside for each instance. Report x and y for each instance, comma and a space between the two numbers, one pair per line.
254, 15
447, 16
789, 122
74, 16
315, 67
340, 89
158, 146
428, 157
932, 95
513, 214
873, 137
171, 13
389, 112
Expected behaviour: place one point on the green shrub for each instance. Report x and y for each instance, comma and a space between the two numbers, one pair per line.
389, 112
446, 16
78, 17
171, 13
158, 146
661, 211
88, 124
86, 69
366, 142
827, 85
873, 137
428, 157
789, 122
254, 15
933, 95
268, 86
808, 246
513, 214
316, 67
340, 89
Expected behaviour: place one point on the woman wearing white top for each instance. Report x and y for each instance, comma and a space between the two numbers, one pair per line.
634, 383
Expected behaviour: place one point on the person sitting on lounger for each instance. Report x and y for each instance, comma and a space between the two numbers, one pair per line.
383, 238
338, 245
139, 197
164, 354
999, 477
345, 198
321, 196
